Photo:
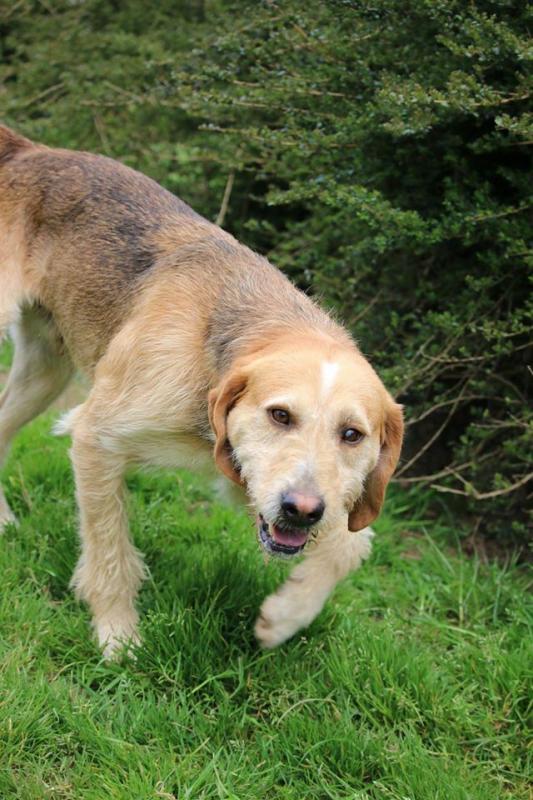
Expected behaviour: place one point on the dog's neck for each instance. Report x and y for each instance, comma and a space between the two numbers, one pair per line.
253, 313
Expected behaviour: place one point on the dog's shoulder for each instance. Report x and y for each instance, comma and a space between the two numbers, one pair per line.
73, 183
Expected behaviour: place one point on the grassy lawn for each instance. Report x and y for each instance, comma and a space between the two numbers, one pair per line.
411, 684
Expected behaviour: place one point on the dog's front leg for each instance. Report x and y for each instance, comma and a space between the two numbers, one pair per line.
110, 569
298, 601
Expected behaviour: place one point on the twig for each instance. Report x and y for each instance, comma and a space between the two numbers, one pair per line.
124, 92
444, 403
497, 377
518, 144
435, 436
453, 360
43, 94
225, 200
498, 424
443, 473
367, 308
12, 11
293, 89
100, 129
508, 213
483, 495
431, 361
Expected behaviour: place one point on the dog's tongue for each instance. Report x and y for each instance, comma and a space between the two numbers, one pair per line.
290, 538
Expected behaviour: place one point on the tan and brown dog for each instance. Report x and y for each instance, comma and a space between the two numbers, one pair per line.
195, 347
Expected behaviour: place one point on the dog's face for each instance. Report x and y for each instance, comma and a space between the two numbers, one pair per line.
313, 435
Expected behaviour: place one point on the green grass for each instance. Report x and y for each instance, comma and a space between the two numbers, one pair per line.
411, 684
6, 354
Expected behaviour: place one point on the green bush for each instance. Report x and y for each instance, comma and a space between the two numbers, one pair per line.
377, 150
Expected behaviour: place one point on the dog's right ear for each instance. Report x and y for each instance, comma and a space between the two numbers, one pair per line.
221, 400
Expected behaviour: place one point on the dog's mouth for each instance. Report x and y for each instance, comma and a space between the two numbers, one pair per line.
281, 541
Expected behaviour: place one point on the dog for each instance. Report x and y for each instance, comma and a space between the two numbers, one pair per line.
200, 354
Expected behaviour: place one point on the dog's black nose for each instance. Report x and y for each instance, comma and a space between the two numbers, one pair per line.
301, 510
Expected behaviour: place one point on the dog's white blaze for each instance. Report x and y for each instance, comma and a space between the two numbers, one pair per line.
329, 372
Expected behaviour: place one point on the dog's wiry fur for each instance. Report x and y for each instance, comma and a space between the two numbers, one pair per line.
188, 339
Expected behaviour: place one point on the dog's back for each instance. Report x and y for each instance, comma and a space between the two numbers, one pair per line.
82, 234
79, 232
11, 143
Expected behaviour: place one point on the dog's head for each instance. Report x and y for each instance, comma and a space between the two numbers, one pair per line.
310, 431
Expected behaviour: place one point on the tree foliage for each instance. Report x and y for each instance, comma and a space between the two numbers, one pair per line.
377, 150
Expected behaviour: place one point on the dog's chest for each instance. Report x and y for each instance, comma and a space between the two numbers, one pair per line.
173, 451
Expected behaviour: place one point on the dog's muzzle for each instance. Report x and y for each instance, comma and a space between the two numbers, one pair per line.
280, 541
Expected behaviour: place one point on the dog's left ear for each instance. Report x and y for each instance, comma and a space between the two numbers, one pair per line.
221, 400
369, 504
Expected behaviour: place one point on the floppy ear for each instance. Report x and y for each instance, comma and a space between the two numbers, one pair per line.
369, 504
221, 400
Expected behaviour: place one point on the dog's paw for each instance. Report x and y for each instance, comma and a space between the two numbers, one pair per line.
116, 642
278, 621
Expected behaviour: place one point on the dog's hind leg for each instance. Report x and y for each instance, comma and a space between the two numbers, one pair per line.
40, 370
298, 601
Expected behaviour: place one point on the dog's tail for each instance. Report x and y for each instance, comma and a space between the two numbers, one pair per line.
11, 143
65, 424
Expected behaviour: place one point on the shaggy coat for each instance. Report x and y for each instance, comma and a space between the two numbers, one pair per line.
200, 353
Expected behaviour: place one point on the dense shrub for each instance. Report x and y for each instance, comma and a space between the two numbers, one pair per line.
378, 150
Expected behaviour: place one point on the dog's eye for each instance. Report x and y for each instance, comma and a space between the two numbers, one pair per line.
351, 435
280, 416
